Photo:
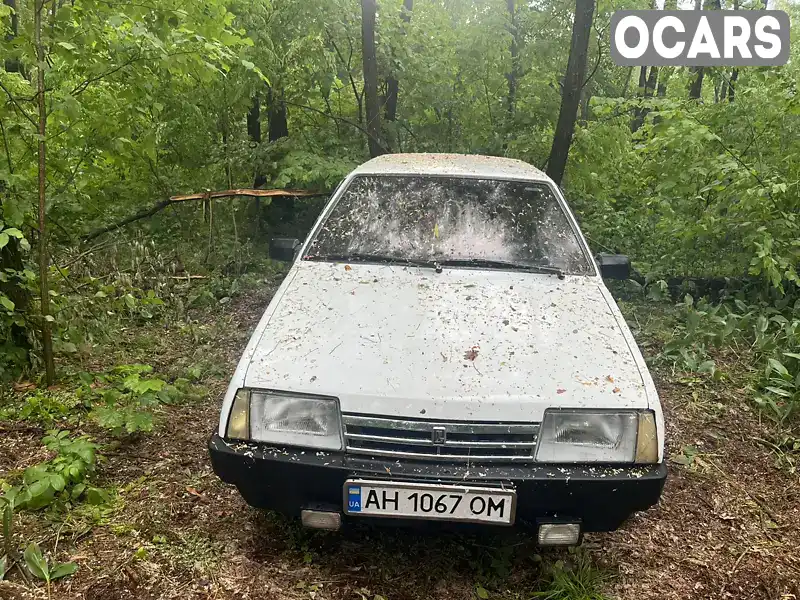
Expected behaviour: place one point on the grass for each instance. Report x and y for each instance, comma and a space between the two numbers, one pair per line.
580, 580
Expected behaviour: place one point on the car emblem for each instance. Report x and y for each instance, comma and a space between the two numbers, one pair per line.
439, 436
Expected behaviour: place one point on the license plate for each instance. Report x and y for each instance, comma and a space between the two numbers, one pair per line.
429, 501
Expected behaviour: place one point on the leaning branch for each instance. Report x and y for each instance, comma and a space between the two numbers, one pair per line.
18, 107
143, 214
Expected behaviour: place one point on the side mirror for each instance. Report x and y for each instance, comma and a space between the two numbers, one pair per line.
284, 248
614, 266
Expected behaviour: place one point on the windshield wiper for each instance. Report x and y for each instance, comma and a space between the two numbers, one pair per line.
360, 257
501, 264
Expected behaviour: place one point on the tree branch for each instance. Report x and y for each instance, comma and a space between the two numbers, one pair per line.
19, 108
5, 145
341, 119
81, 87
597, 62
149, 212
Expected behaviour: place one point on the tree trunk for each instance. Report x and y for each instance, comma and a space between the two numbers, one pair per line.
696, 87
638, 113
642, 81
368, 10
627, 82
732, 85
663, 78
47, 339
12, 65
650, 86
573, 82
278, 124
254, 133
666, 72
392, 84
281, 209
513, 75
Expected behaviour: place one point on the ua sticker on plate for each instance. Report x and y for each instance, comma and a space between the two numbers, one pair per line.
354, 498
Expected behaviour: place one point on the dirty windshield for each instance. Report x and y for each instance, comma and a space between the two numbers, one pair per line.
440, 219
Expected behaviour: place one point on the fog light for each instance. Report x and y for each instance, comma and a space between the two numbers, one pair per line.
319, 519
559, 534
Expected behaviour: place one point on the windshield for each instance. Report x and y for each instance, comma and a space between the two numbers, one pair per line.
439, 219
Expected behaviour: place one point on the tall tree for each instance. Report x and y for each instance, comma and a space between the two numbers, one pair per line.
12, 64
254, 133
514, 73
696, 87
392, 84
368, 10
44, 265
573, 82
278, 122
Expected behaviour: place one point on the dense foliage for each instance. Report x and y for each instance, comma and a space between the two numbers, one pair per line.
150, 99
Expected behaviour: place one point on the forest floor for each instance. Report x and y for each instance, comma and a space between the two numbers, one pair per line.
727, 526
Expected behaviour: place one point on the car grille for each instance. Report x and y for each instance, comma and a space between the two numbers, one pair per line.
440, 441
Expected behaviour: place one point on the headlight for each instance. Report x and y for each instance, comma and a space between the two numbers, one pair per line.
286, 419
597, 436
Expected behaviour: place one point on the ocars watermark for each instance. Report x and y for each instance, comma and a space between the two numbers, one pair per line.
704, 38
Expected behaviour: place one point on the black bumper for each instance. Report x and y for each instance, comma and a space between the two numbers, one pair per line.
288, 480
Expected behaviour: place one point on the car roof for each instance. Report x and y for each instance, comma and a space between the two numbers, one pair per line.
466, 165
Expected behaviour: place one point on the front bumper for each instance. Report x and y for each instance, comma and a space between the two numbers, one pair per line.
289, 479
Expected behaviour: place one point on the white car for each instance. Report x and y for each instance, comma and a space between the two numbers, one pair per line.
444, 348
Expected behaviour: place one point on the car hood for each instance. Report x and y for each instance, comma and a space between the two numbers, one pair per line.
463, 344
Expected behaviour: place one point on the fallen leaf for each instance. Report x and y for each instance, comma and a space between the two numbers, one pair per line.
560, 391
193, 492
609, 378
616, 390
348, 268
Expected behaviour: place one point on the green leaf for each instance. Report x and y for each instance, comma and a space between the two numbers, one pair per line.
68, 46
35, 562
6, 302
3, 239
14, 232
778, 367
77, 491
3, 567
778, 391
64, 570
57, 482
481, 592
708, 366
97, 496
